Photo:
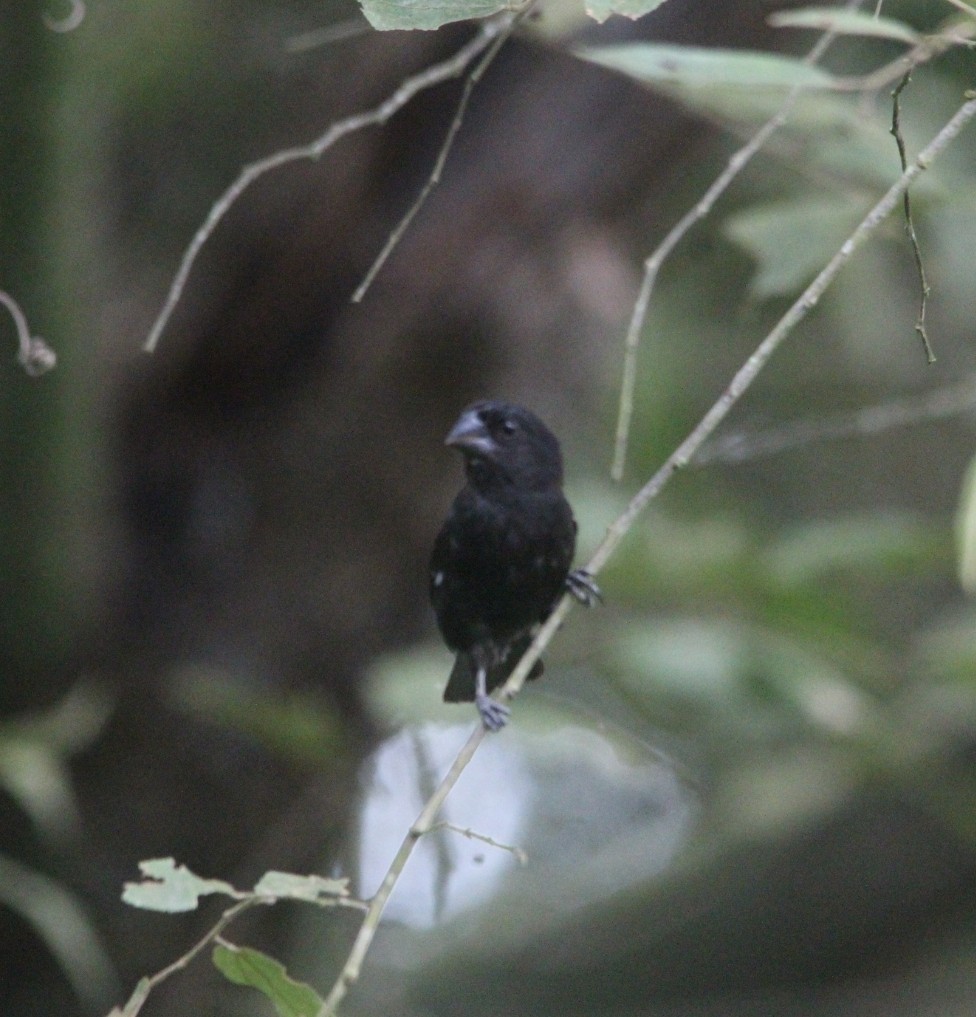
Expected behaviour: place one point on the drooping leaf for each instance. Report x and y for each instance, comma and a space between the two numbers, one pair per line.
171, 887
245, 966
34, 753
697, 66
845, 22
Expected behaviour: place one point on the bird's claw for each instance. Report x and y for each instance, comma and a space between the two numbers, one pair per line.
494, 715
583, 588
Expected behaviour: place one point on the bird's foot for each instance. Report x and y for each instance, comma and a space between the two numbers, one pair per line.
494, 715
583, 588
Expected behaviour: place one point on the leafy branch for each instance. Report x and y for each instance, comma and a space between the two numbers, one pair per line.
699, 211
657, 64
174, 888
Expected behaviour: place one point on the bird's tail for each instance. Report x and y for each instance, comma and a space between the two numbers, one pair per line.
460, 685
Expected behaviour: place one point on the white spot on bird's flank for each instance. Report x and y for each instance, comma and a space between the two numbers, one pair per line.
438, 578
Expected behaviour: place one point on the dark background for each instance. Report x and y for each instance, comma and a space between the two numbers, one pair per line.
207, 551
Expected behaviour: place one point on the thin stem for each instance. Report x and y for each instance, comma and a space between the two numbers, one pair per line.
435, 175
146, 985
465, 831
450, 68
909, 223
653, 264
423, 824
743, 446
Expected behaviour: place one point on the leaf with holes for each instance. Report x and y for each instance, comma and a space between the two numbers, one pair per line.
171, 887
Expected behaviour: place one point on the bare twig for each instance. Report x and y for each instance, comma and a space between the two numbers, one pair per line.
652, 265
465, 831
34, 355
146, 985
435, 175
424, 823
909, 224
938, 404
746, 375
453, 67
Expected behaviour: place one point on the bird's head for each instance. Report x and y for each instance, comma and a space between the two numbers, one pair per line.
506, 444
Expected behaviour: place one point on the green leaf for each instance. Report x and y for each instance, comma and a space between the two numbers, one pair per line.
843, 22
600, 10
244, 966
791, 240
693, 66
171, 887
427, 14
314, 889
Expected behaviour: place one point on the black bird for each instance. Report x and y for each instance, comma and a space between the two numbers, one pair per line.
502, 558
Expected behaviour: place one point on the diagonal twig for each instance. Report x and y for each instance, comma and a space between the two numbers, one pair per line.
652, 265
452, 67
435, 174
744, 446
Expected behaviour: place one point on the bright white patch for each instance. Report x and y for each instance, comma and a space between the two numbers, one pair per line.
438, 578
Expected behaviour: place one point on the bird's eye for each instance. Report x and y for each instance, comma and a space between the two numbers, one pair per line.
509, 426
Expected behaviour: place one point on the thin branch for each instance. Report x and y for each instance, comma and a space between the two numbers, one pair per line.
744, 446
34, 354
520, 855
909, 223
146, 985
926, 49
746, 375
435, 175
653, 264
750, 370
424, 823
450, 68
